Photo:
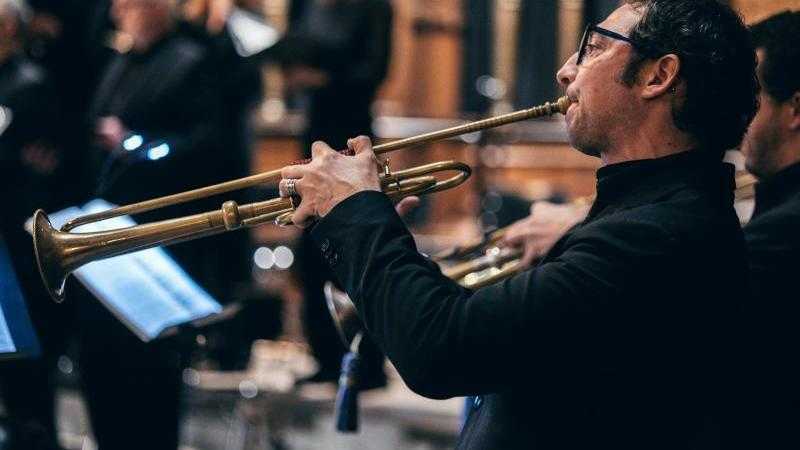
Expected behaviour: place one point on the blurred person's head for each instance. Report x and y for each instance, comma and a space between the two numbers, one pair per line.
673, 73
13, 16
145, 22
773, 141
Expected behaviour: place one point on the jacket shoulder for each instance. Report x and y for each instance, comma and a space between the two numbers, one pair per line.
681, 218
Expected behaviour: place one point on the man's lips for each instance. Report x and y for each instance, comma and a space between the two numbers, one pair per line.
573, 104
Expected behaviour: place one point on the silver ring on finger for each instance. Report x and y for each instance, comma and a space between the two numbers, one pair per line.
291, 190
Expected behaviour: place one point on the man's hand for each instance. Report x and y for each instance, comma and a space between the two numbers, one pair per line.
331, 177
537, 233
110, 131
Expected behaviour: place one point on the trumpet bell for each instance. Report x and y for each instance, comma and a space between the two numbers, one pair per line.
49, 256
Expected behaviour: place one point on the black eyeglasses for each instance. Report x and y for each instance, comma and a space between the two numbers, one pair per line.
587, 36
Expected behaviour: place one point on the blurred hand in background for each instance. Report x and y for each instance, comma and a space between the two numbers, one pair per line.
537, 233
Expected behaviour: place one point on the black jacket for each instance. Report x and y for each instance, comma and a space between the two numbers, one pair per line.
31, 124
773, 244
350, 40
27, 103
620, 339
169, 96
166, 95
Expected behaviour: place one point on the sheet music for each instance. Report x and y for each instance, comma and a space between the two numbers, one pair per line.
146, 290
6, 341
17, 336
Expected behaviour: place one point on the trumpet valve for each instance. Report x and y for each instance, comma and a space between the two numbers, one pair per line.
388, 177
231, 216
493, 255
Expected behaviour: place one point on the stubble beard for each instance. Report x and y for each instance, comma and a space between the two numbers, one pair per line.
584, 138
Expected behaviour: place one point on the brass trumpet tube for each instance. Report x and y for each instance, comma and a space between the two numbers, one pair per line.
495, 258
490, 275
548, 109
58, 253
559, 106
175, 199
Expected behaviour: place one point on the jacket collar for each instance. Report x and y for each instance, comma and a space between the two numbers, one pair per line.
643, 181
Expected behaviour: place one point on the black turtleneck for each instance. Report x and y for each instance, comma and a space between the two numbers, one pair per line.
620, 338
773, 245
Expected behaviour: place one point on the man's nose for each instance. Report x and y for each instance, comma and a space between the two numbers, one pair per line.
568, 71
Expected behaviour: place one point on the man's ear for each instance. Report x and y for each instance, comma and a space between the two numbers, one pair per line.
794, 111
661, 76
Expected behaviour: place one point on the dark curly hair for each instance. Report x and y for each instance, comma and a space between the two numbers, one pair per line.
779, 36
718, 66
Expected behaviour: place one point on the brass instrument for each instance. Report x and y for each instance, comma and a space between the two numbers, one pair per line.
495, 263
59, 252
487, 262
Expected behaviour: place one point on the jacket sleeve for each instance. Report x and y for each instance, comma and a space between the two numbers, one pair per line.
448, 341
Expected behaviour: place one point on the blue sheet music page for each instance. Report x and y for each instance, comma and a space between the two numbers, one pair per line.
146, 290
17, 337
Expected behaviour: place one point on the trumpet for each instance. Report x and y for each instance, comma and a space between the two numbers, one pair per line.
60, 252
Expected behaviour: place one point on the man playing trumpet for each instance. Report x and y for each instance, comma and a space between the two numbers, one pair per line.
622, 337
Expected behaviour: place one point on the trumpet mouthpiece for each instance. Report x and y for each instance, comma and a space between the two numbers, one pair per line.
563, 104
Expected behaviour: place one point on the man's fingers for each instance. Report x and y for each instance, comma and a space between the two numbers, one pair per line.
406, 205
320, 148
530, 254
515, 235
362, 147
359, 144
296, 171
303, 216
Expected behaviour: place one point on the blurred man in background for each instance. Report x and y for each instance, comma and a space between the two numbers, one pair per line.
156, 132
31, 176
336, 51
772, 151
